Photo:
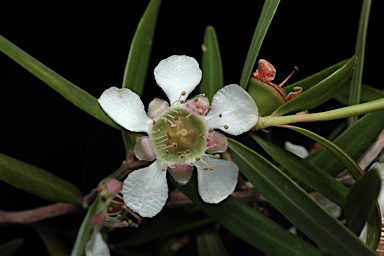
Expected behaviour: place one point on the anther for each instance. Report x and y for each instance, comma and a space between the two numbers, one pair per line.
183, 93
217, 156
226, 126
175, 118
210, 167
187, 151
205, 168
182, 101
179, 153
153, 122
211, 129
197, 158
166, 151
220, 115
196, 100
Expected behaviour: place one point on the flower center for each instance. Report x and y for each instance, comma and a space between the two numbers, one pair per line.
179, 136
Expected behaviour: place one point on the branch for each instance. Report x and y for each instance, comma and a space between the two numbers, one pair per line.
57, 209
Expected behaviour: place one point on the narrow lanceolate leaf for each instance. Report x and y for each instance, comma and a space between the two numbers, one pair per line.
10, 247
343, 157
68, 90
296, 205
54, 246
355, 89
37, 181
310, 81
265, 20
138, 59
85, 232
368, 93
250, 225
211, 65
319, 93
307, 173
163, 226
209, 243
361, 200
140, 51
354, 141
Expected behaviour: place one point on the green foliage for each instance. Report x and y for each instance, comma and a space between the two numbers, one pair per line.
284, 188
211, 65
37, 181
10, 247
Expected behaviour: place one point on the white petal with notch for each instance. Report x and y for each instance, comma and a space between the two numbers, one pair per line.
145, 190
176, 74
233, 110
125, 108
217, 184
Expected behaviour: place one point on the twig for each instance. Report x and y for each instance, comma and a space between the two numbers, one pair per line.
57, 209
45, 212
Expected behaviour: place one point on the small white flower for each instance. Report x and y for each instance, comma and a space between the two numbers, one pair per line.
180, 134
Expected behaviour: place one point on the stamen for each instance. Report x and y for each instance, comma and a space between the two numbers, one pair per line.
211, 129
220, 115
197, 158
217, 156
226, 126
153, 122
187, 151
196, 100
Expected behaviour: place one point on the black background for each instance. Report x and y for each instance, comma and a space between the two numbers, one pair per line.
89, 44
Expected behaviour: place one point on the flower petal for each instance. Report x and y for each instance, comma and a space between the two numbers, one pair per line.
177, 74
198, 104
233, 110
182, 173
156, 107
96, 246
145, 190
125, 108
217, 143
217, 184
143, 149
298, 150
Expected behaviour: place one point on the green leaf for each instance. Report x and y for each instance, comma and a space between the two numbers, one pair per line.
86, 229
265, 20
361, 200
209, 243
310, 81
163, 226
319, 93
307, 173
354, 141
10, 247
355, 89
68, 90
138, 60
296, 205
348, 161
140, 51
250, 225
368, 93
211, 65
37, 181
54, 246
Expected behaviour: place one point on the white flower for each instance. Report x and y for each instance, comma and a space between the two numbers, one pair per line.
180, 134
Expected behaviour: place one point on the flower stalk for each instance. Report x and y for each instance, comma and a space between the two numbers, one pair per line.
345, 112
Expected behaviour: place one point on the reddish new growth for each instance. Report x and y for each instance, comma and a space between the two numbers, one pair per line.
266, 72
